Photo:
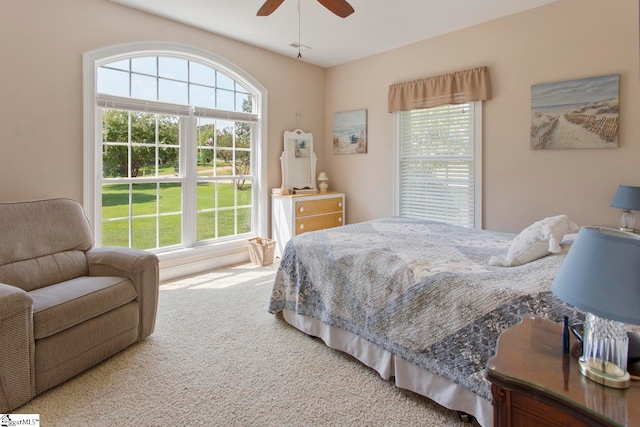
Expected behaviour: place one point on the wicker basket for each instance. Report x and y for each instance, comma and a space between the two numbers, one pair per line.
261, 250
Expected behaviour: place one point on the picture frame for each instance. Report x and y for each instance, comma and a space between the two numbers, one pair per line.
579, 113
350, 132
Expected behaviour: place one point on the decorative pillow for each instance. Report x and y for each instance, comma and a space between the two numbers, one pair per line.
536, 241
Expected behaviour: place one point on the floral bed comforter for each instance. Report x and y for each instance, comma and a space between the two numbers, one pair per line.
422, 290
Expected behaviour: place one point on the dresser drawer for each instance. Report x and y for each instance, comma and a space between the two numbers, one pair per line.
318, 207
319, 222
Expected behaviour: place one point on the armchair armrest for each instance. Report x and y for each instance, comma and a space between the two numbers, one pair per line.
17, 358
138, 266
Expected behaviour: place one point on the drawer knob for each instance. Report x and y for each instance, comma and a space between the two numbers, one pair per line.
301, 227
340, 220
339, 204
301, 209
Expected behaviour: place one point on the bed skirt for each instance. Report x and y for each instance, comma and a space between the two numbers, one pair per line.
406, 375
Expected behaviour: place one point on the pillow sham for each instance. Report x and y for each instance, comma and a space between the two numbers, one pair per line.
536, 241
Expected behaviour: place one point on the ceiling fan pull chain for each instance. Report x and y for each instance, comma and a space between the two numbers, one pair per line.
299, 39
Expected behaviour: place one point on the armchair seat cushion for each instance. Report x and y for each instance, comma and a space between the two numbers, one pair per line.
63, 305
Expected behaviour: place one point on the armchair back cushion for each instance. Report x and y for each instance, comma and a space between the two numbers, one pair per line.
43, 243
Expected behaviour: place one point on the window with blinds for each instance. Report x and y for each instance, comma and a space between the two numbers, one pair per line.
439, 164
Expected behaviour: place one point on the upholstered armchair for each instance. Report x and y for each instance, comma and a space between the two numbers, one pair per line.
65, 306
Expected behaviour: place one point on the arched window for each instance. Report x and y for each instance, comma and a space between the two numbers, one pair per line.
174, 153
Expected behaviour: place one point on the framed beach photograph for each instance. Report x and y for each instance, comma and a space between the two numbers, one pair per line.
575, 113
350, 132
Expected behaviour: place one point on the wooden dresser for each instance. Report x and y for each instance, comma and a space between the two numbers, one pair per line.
296, 214
534, 384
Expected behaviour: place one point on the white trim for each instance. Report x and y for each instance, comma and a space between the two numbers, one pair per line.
95, 58
477, 163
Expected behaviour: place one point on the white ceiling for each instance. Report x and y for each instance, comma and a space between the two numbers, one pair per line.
375, 26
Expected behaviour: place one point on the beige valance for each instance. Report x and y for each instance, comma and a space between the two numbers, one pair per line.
454, 88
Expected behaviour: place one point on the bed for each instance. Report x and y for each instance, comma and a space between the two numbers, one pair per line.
418, 301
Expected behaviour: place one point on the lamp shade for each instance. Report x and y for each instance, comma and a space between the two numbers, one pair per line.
323, 177
601, 274
627, 198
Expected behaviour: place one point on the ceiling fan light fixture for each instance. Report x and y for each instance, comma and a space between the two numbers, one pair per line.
297, 45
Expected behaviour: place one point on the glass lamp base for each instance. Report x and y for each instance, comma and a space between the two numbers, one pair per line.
604, 357
627, 221
611, 376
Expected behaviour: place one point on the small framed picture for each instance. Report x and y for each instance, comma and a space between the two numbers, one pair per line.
350, 132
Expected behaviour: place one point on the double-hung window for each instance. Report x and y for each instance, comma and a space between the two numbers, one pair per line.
439, 164
174, 156
438, 146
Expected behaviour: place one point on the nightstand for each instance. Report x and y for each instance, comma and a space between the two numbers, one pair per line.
534, 384
299, 213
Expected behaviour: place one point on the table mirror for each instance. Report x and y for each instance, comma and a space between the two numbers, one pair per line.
298, 162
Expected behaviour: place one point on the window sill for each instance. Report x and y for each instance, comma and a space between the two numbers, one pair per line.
187, 261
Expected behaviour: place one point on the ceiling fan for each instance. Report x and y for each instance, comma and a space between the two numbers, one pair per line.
339, 7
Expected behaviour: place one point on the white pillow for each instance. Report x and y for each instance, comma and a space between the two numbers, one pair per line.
536, 241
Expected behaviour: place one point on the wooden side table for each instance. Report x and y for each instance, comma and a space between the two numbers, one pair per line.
534, 384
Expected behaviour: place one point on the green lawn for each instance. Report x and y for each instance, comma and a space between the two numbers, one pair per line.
156, 207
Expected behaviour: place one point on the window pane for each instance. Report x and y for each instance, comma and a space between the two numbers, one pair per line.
170, 230
120, 65
146, 65
226, 226
171, 214
143, 233
244, 193
143, 199
243, 163
143, 128
173, 92
226, 195
115, 201
170, 198
225, 100
115, 126
201, 74
244, 220
143, 162
168, 162
115, 233
205, 162
113, 82
201, 96
173, 68
144, 87
206, 203
243, 102
115, 161
168, 130
224, 82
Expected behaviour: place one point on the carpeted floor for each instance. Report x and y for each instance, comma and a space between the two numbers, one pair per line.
218, 358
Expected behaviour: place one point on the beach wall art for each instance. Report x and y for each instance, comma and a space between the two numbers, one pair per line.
575, 113
350, 132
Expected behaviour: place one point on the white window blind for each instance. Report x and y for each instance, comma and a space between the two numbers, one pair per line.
437, 164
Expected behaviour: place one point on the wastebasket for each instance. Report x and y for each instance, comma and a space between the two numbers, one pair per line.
261, 250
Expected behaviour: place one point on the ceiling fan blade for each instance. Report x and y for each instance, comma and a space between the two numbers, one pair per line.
339, 7
269, 7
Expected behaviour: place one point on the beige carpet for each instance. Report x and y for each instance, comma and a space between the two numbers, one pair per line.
218, 358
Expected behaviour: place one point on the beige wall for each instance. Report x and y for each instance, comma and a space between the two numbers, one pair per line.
41, 46
42, 43
566, 40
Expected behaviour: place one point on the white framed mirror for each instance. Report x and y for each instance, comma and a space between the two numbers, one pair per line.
298, 162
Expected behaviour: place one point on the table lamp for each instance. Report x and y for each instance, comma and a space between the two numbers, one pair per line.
601, 276
627, 198
323, 178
